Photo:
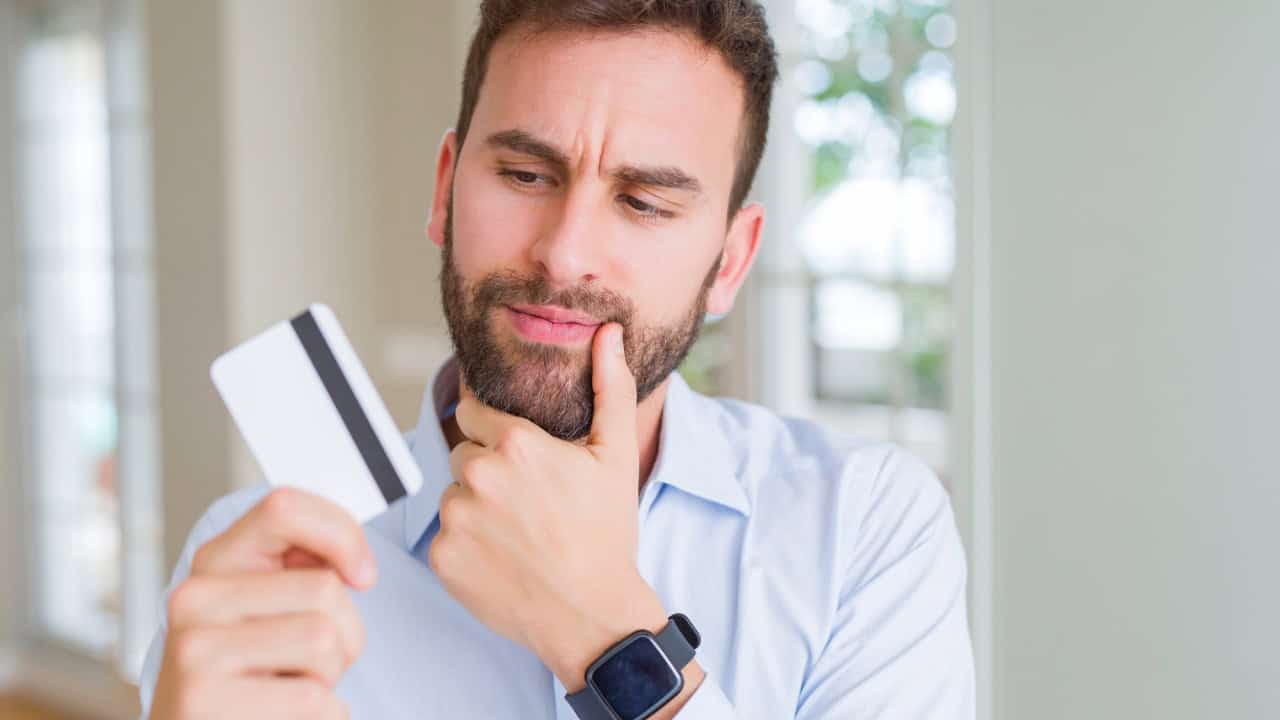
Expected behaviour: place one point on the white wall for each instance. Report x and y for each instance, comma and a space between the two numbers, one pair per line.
294, 163
299, 142
185, 58
1136, 358
418, 69
335, 111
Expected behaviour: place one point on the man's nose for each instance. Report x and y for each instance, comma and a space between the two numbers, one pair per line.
573, 248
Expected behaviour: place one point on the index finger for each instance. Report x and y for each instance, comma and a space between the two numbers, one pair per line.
613, 422
287, 519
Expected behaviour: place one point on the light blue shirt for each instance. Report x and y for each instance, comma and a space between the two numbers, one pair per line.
824, 572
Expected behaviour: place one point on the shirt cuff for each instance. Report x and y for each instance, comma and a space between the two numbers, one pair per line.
708, 702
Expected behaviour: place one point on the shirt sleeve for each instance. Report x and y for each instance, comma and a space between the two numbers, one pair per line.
899, 647
899, 644
220, 516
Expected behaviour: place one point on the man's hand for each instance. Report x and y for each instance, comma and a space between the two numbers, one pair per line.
264, 626
538, 536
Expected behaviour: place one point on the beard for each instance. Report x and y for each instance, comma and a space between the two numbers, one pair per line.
547, 384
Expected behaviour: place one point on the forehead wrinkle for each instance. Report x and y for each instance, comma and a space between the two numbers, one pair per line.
599, 111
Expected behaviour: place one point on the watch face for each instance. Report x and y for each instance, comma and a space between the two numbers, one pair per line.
636, 678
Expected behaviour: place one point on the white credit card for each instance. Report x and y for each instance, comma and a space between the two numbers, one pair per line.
311, 416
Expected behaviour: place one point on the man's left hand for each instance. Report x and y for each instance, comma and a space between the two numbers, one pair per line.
538, 536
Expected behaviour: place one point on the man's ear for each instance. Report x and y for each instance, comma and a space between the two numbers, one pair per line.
446, 158
740, 246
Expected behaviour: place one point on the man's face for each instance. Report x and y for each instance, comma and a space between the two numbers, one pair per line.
593, 187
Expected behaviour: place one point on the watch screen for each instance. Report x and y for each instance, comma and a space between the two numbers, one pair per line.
635, 679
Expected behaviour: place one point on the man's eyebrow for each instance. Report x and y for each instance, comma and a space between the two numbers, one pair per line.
663, 177
652, 176
526, 144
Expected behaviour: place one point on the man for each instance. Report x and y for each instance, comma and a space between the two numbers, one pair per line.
585, 515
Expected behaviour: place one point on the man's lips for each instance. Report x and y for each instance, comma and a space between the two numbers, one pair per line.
556, 314
551, 324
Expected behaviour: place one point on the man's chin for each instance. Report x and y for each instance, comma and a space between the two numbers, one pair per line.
564, 362
548, 377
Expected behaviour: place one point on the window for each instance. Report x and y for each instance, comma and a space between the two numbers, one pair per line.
851, 306
85, 285
879, 235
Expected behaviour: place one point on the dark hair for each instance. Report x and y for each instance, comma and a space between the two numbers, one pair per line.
735, 28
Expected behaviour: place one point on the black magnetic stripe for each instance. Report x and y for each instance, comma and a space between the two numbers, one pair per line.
344, 399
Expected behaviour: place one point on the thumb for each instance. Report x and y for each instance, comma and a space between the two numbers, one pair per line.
613, 424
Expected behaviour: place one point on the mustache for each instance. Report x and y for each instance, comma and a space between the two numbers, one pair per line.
510, 288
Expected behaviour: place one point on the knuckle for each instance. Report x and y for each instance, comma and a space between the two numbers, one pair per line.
189, 697
280, 503
310, 698
440, 555
190, 647
201, 557
476, 476
514, 442
360, 637
323, 636
452, 510
182, 603
328, 588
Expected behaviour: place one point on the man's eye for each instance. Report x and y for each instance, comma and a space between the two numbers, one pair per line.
644, 208
522, 177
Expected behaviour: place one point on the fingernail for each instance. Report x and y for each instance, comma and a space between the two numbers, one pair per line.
616, 341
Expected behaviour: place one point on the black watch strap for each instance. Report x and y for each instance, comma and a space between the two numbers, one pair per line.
678, 640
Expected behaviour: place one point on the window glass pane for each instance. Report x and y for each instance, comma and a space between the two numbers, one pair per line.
62, 134
73, 446
69, 320
79, 585
69, 298
74, 468
879, 233
926, 338
82, 149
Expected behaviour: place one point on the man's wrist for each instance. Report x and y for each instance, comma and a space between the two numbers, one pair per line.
693, 679
595, 631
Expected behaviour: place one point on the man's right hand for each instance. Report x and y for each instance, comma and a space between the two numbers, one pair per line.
264, 626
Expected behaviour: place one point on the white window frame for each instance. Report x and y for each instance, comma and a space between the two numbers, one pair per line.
970, 381
774, 360
55, 670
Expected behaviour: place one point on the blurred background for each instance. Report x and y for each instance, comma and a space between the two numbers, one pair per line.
1033, 241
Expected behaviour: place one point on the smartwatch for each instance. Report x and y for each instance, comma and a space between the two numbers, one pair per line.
636, 677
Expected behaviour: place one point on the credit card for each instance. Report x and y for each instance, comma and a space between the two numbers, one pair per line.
311, 416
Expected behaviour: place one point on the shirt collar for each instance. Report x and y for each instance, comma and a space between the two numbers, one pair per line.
431, 450
695, 454
694, 451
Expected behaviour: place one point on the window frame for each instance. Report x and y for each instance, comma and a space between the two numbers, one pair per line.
775, 358
757, 328
44, 664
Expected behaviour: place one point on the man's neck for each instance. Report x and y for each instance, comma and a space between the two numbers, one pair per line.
648, 431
